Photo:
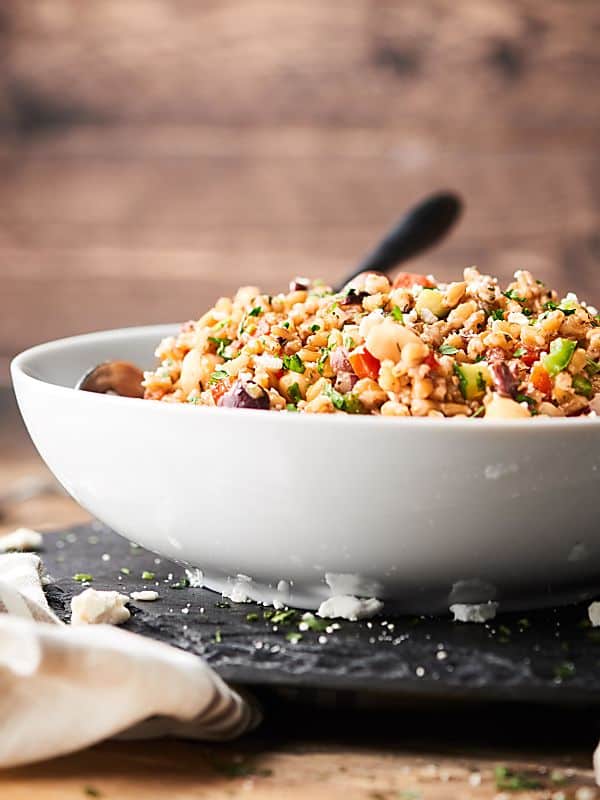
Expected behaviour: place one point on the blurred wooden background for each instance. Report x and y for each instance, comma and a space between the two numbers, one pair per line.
157, 153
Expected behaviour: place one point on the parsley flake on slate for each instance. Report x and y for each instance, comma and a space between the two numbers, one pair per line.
564, 671
83, 577
182, 583
218, 636
148, 576
293, 637
125, 571
252, 617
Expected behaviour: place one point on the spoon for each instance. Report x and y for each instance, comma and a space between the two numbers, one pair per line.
421, 227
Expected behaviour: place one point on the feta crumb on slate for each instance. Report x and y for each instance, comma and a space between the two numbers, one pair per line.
146, 596
239, 591
22, 539
93, 607
195, 578
346, 606
594, 614
474, 612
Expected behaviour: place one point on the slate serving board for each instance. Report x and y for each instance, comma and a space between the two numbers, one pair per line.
549, 656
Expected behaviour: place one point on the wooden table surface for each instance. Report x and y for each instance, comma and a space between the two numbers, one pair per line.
421, 752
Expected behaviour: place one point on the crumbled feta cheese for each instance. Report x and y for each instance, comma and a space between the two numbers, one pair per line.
594, 614
474, 612
516, 318
195, 578
145, 596
268, 362
22, 539
93, 607
345, 606
239, 591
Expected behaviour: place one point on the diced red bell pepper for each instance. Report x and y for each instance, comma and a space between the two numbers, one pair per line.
404, 280
541, 380
364, 364
431, 361
530, 356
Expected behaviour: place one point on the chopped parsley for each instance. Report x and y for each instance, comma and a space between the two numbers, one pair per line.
284, 616
312, 623
218, 636
294, 393
183, 583
512, 781
125, 571
255, 311
322, 359
564, 671
481, 384
524, 398
294, 363
448, 350
83, 577
293, 637
221, 342
218, 375
252, 617
397, 314
512, 295
314, 328
462, 380
520, 351
479, 413
497, 313
291, 407
583, 386
148, 576
344, 402
285, 324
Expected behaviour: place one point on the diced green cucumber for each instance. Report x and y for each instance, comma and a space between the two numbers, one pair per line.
559, 358
432, 300
473, 379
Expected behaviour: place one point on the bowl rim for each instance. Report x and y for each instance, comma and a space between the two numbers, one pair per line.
20, 365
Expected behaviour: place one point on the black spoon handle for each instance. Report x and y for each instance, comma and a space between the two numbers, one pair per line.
420, 228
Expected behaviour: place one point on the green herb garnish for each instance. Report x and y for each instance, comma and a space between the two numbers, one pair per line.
255, 311
448, 350
315, 328
284, 616
148, 576
592, 367
83, 577
497, 313
294, 363
564, 671
512, 295
520, 351
290, 407
252, 617
218, 375
294, 393
218, 636
322, 359
293, 637
125, 571
397, 314
583, 386
221, 342
182, 583
313, 623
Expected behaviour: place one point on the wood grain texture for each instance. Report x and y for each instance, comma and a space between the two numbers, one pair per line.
156, 154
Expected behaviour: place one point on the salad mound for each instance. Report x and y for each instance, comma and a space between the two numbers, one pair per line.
411, 347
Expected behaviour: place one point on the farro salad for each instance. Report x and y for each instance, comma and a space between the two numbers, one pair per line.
411, 347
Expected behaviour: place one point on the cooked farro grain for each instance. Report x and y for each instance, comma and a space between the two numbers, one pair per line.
416, 347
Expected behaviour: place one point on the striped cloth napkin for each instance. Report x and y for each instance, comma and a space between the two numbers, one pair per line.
63, 688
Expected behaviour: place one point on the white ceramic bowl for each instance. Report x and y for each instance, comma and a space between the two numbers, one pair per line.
417, 512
